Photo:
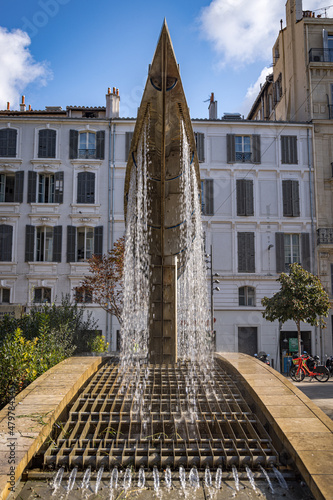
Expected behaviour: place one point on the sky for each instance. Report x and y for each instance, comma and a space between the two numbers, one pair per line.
68, 52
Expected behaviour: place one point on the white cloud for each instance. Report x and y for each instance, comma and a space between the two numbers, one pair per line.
253, 91
244, 32
17, 67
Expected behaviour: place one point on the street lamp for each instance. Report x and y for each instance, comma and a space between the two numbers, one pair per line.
213, 281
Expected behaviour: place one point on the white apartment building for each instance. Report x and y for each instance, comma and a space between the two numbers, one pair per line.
61, 200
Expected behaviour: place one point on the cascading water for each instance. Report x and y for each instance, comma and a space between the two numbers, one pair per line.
134, 333
193, 311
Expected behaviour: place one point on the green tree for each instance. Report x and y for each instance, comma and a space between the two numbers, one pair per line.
300, 298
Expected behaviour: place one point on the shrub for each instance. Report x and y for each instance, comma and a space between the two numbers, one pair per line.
98, 344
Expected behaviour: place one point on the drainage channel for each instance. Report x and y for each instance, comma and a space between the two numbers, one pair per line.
150, 419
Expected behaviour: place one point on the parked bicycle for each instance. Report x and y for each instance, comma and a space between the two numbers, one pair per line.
306, 365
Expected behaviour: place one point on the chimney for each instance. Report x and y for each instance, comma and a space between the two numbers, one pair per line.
8, 106
112, 103
22, 105
212, 108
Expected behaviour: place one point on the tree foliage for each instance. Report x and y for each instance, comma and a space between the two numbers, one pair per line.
105, 281
300, 298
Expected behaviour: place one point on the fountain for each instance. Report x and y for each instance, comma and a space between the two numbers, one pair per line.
166, 404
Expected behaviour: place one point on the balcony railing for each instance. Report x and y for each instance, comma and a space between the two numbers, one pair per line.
87, 153
321, 55
243, 157
325, 236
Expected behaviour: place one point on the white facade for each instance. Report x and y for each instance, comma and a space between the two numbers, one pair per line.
241, 158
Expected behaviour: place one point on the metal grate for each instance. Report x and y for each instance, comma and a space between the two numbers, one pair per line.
159, 415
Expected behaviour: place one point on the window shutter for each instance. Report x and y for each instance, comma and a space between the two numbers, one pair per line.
289, 149
287, 198
86, 187
47, 143
71, 237
73, 143
249, 209
283, 149
246, 253
8, 138
231, 153
59, 187
98, 241
6, 242
295, 198
244, 188
279, 252
200, 143
256, 149
32, 182
29, 243
57, 243
100, 144
18, 189
209, 196
305, 251
240, 194
128, 140
250, 252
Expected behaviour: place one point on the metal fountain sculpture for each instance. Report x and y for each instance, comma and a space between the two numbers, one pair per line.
164, 106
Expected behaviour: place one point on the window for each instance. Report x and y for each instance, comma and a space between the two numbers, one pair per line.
47, 143
11, 187
83, 296
291, 248
243, 148
246, 296
86, 187
42, 295
43, 244
290, 194
200, 144
246, 254
207, 197
289, 149
292, 252
50, 187
45, 188
4, 295
6, 242
86, 145
244, 188
84, 242
278, 89
128, 140
8, 139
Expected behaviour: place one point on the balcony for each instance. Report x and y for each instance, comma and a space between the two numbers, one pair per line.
243, 157
321, 55
87, 154
325, 236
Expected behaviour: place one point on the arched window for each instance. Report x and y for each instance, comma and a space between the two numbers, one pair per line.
247, 296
